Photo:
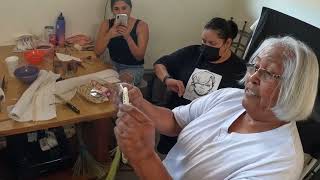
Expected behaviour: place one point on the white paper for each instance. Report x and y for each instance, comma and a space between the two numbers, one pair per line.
65, 57
32, 137
51, 139
44, 144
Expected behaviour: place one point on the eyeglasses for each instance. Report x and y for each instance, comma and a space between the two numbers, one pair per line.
264, 74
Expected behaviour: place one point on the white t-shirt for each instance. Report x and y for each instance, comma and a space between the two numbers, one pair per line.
205, 149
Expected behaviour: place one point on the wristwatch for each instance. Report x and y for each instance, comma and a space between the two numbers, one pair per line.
165, 78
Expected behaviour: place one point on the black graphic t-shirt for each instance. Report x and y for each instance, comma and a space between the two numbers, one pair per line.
182, 63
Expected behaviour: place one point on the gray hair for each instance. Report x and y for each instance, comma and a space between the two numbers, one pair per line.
299, 82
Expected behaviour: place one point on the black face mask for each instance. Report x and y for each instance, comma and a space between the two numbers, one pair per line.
210, 53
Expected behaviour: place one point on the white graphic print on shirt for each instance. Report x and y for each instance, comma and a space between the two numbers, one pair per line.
201, 82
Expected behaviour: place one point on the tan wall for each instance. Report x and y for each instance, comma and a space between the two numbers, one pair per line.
305, 10
173, 23
18, 17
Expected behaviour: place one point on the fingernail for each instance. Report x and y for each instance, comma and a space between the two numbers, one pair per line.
125, 107
120, 114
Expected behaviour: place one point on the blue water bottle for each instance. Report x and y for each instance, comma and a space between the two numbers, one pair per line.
60, 30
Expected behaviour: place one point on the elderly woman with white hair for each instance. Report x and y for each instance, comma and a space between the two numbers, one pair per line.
230, 133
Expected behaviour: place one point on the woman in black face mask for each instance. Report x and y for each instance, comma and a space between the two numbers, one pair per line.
217, 37
212, 58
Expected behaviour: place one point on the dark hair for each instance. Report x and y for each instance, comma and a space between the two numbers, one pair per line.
226, 29
126, 1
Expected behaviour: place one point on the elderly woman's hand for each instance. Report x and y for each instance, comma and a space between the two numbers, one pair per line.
175, 86
135, 134
135, 95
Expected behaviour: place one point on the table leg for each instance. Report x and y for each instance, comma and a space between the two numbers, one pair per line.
99, 139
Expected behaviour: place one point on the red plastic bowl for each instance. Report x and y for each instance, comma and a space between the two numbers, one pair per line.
34, 56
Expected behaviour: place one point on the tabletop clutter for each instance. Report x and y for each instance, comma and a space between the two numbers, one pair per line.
38, 101
46, 88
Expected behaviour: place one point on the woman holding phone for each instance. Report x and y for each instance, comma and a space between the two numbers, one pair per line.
127, 43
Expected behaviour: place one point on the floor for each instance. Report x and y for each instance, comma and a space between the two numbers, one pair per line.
124, 173
67, 175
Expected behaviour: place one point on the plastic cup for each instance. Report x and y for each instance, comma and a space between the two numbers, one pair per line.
12, 64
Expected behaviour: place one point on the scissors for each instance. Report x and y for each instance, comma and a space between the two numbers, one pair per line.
68, 104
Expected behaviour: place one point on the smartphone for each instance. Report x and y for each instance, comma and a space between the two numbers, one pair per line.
121, 19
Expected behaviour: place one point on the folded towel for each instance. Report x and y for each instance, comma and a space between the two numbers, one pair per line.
37, 102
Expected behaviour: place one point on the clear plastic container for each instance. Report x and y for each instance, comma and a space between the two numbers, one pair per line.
48, 31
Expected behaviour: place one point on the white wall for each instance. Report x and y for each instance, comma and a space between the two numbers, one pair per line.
17, 17
175, 23
305, 10
172, 23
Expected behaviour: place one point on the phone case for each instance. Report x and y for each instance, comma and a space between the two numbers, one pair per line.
121, 19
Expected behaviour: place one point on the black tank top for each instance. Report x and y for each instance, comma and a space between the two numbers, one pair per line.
119, 49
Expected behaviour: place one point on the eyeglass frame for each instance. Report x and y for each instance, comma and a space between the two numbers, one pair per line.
265, 73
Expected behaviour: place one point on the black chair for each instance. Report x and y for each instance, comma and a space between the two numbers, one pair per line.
309, 135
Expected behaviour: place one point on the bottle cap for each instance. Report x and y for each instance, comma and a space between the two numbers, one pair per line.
61, 17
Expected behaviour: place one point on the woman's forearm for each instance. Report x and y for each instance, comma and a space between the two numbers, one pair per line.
136, 51
160, 71
101, 44
163, 118
151, 168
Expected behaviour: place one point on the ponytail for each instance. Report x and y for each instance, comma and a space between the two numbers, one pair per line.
225, 29
233, 29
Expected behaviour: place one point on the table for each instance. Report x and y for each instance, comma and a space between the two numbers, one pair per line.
65, 116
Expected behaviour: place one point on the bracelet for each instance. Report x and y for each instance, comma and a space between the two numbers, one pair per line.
165, 78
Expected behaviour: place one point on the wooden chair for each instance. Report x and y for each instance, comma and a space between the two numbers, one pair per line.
240, 43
